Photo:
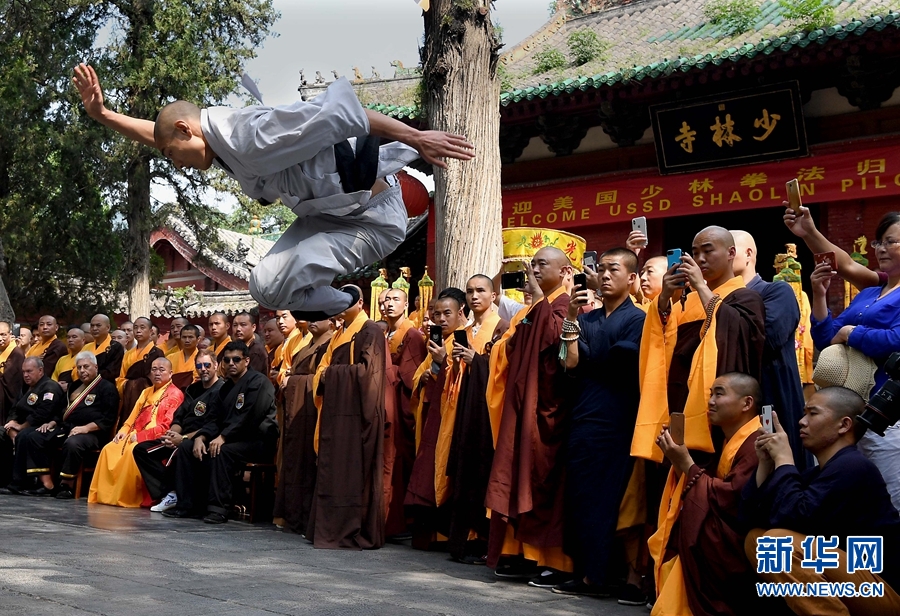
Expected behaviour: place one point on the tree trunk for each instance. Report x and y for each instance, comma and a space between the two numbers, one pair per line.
6, 310
139, 217
462, 96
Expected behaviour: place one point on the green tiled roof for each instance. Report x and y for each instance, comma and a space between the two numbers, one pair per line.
658, 38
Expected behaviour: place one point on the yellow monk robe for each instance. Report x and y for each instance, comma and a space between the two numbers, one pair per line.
38, 349
132, 356
171, 348
180, 365
342, 336
672, 595
395, 340
117, 480
289, 348
552, 557
658, 345
65, 364
5, 353
221, 346
97, 350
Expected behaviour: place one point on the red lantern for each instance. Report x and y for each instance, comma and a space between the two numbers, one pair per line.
415, 195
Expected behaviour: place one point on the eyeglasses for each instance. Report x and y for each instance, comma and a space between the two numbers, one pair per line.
890, 243
232, 360
205, 364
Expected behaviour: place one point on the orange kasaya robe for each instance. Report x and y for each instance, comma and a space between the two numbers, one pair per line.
117, 480
737, 348
184, 371
708, 497
524, 412
132, 356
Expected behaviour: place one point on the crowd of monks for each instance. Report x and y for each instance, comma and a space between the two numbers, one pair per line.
534, 438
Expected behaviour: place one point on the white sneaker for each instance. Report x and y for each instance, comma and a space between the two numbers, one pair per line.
168, 502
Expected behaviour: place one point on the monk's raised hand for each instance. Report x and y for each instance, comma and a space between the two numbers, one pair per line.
636, 242
693, 272
85, 79
801, 224
435, 145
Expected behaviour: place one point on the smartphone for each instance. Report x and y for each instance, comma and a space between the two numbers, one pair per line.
580, 280
590, 259
512, 280
793, 194
461, 338
640, 224
766, 419
676, 427
436, 334
16, 330
826, 257
673, 257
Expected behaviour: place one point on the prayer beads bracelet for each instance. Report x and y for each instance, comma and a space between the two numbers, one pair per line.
691, 483
570, 331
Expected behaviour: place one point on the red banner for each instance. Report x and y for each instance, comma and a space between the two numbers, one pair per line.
873, 172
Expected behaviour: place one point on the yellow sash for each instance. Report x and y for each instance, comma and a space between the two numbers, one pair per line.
341, 336
132, 356
670, 588
65, 364
5, 353
657, 348
180, 364
396, 340
221, 346
496, 391
96, 350
448, 403
38, 349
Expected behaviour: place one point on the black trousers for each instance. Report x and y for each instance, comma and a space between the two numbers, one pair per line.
6, 458
155, 467
35, 451
207, 485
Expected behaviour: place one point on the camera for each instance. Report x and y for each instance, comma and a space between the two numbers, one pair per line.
883, 408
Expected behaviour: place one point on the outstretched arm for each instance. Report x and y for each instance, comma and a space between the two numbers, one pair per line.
85, 79
802, 226
433, 145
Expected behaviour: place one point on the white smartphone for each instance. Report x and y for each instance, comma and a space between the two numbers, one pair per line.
640, 224
766, 419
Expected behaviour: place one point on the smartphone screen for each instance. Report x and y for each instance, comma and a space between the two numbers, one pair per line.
580, 280
590, 259
512, 280
436, 334
673, 257
461, 338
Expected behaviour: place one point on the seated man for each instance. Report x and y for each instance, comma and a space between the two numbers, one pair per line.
117, 480
66, 372
697, 549
153, 457
38, 408
240, 429
844, 496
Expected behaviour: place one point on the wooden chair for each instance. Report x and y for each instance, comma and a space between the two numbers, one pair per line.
258, 492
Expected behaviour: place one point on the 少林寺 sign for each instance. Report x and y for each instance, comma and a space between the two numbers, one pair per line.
738, 128
866, 173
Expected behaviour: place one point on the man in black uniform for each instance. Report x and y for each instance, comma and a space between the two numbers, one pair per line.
242, 428
153, 458
39, 409
88, 422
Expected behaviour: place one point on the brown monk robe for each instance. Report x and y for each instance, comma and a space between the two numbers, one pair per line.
135, 375
184, 359
65, 372
525, 491
297, 479
437, 390
273, 338
472, 446
108, 352
348, 509
243, 326
700, 565
408, 351
11, 358
47, 346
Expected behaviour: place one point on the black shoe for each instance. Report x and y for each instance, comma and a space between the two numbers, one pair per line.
517, 571
579, 587
179, 513
65, 494
630, 594
549, 578
41, 491
471, 560
11, 489
215, 518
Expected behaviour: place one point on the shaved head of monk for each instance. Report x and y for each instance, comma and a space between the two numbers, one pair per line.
713, 251
744, 253
394, 304
652, 276
179, 137
550, 267
353, 311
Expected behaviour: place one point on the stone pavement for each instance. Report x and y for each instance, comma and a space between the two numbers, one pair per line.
68, 558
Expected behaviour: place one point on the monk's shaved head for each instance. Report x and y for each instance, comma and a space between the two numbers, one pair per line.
553, 255
744, 385
397, 294
164, 127
718, 235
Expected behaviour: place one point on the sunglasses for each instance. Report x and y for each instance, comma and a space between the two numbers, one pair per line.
205, 364
232, 360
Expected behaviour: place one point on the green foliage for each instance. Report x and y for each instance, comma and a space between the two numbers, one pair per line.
552, 8
737, 16
585, 46
505, 77
809, 14
548, 59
